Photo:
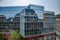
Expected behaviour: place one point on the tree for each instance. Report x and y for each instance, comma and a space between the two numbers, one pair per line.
1, 36
16, 36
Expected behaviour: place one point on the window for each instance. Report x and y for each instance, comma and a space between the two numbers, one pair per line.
40, 24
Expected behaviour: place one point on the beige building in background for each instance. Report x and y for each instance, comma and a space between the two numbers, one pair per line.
58, 27
58, 24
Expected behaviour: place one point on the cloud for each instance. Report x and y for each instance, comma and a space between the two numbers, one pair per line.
19, 2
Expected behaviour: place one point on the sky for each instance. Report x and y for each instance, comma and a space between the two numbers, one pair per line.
50, 5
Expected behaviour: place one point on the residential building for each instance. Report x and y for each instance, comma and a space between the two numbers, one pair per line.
16, 21
3, 23
58, 27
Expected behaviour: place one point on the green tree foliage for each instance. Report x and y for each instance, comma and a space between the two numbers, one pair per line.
16, 36
1, 36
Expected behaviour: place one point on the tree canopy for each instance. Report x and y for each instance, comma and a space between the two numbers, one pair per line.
16, 36
1, 36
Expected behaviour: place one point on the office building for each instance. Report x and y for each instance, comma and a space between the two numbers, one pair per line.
34, 23
37, 24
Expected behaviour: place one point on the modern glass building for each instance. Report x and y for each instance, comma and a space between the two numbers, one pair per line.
37, 24
33, 22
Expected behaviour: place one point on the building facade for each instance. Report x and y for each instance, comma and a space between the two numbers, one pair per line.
7, 24
33, 22
37, 24
58, 27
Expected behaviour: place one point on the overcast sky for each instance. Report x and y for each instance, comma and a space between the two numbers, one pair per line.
50, 5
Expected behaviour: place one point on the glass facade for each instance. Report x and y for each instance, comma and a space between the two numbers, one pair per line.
31, 21
34, 21
38, 10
